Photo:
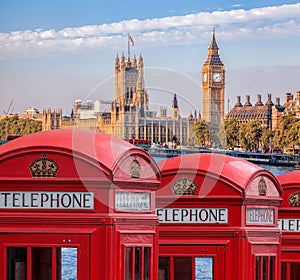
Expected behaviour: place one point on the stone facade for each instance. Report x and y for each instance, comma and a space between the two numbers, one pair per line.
269, 113
130, 117
213, 86
52, 119
248, 112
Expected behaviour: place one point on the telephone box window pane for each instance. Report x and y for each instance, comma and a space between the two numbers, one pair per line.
16, 264
295, 271
66, 263
272, 268
183, 268
41, 263
257, 268
265, 271
137, 266
147, 263
283, 271
203, 268
164, 268
128, 263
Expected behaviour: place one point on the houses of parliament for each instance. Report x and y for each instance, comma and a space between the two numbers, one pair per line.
128, 116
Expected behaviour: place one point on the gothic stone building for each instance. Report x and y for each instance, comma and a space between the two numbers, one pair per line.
213, 86
247, 112
268, 113
130, 117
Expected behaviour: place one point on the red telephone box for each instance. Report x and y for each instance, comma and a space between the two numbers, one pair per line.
289, 223
218, 219
77, 204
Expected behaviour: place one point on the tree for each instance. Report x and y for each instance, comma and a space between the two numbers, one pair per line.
250, 135
281, 138
293, 135
243, 140
232, 128
14, 125
201, 130
254, 132
267, 136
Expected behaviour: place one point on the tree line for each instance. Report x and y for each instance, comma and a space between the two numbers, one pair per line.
19, 126
251, 136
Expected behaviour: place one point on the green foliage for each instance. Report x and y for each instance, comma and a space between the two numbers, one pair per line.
293, 135
14, 125
202, 133
232, 128
267, 136
252, 135
288, 130
253, 132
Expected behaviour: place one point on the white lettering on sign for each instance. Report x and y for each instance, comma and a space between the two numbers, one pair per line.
289, 225
47, 200
132, 201
193, 215
260, 216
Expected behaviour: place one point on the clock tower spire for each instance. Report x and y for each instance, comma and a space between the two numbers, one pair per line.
213, 85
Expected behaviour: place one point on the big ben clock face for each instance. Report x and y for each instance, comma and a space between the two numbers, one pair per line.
217, 77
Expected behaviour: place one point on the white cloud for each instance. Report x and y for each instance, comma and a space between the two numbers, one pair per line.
267, 22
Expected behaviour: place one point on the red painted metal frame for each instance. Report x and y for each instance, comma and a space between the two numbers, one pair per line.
290, 241
234, 186
88, 162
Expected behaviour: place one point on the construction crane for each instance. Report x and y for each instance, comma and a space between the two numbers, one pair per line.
10, 108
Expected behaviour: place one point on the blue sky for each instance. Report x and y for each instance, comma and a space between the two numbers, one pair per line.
53, 52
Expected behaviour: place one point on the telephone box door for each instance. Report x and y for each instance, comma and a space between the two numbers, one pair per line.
191, 262
45, 256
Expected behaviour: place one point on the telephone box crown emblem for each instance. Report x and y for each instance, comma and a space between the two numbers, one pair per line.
262, 187
184, 186
294, 199
43, 167
135, 169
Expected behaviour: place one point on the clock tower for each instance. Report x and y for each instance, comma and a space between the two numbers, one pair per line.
213, 85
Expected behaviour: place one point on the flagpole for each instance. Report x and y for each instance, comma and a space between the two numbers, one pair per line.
128, 45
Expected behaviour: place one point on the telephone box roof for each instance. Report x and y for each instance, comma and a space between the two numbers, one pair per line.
240, 174
290, 182
290, 179
104, 150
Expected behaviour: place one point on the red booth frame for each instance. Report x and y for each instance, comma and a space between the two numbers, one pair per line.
289, 223
74, 162
241, 249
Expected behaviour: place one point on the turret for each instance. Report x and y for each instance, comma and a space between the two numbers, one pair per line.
141, 64
134, 61
117, 63
213, 52
128, 64
122, 64
213, 48
140, 79
175, 108
175, 102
